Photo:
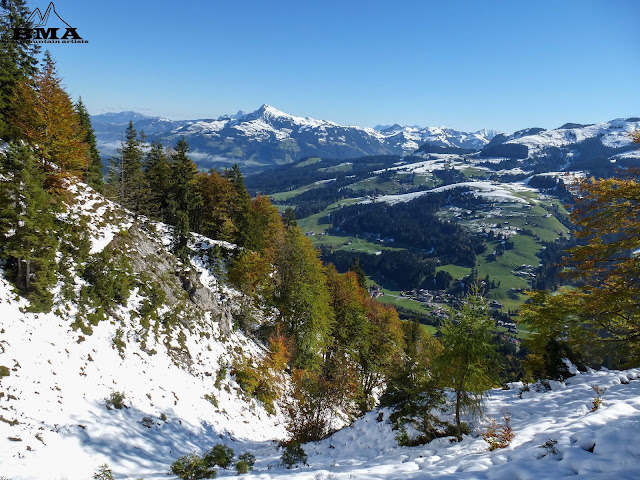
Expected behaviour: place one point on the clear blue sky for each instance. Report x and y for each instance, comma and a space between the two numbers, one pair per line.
465, 64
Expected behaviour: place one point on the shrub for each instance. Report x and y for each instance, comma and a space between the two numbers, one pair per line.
4, 371
242, 467
497, 435
211, 398
598, 399
293, 455
550, 446
147, 422
258, 382
245, 463
115, 400
192, 467
103, 473
220, 455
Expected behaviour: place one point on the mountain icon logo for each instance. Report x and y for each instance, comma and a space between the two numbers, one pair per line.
39, 20
47, 28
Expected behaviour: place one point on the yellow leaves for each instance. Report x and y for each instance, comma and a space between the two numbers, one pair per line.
600, 316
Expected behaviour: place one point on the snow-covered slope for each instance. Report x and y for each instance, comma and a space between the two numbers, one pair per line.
58, 384
174, 372
269, 136
180, 397
569, 145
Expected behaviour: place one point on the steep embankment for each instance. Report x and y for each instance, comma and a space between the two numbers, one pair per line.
59, 390
172, 367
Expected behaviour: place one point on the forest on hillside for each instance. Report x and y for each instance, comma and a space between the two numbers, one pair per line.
339, 349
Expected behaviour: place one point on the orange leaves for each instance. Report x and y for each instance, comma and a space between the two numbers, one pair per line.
499, 435
45, 117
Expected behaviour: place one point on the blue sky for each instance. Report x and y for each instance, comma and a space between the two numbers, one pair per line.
465, 64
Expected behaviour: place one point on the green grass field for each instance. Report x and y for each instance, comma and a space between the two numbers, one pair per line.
535, 224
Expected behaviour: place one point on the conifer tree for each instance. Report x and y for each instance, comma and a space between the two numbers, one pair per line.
45, 117
357, 269
412, 387
218, 205
157, 172
468, 363
134, 190
17, 61
112, 186
289, 218
93, 174
241, 202
184, 199
31, 246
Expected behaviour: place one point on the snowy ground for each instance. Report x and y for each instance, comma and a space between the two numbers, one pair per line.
54, 423
57, 387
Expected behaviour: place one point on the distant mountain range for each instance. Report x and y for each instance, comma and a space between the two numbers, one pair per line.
268, 137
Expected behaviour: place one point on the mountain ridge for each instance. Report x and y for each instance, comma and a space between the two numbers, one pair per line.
267, 137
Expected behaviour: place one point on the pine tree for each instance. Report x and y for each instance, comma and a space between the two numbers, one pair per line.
31, 247
93, 174
134, 190
412, 386
17, 61
157, 171
241, 202
289, 218
468, 364
184, 199
361, 276
112, 187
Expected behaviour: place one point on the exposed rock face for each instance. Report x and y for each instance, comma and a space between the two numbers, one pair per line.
148, 257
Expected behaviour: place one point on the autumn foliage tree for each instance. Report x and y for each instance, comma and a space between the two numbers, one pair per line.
18, 62
601, 316
46, 118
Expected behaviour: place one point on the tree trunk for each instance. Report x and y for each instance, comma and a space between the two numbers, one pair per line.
458, 424
27, 274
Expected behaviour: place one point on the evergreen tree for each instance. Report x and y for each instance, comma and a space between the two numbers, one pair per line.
93, 174
29, 246
412, 388
360, 275
289, 218
134, 190
158, 176
241, 202
184, 198
17, 61
468, 364
112, 187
